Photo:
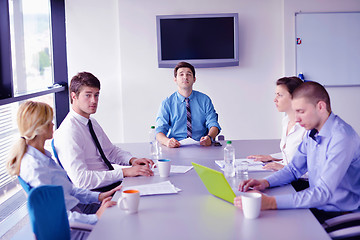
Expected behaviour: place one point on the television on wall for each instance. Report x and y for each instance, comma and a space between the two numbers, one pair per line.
204, 40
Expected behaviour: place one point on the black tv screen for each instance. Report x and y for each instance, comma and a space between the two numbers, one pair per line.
206, 40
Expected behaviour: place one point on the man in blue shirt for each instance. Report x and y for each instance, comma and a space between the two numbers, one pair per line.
330, 153
186, 113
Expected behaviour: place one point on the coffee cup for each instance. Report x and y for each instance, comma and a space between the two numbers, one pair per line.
164, 166
251, 204
129, 201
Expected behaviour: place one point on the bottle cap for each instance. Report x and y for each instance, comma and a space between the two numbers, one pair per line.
152, 127
228, 142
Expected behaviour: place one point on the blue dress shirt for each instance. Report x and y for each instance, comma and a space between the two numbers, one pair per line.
333, 162
171, 118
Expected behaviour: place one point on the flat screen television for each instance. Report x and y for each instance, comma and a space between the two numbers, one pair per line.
204, 40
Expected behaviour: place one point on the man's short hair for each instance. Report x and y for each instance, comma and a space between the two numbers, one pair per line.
83, 79
314, 93
184, 65
291, 83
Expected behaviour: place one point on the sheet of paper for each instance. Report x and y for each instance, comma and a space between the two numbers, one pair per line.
180, 169
189, 141
156, 188
253, 166
175, 169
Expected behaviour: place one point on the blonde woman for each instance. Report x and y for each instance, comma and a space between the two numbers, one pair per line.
292, 133
29, 160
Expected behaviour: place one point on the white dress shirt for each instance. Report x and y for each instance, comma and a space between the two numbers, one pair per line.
80, 157
38, 169
289, 143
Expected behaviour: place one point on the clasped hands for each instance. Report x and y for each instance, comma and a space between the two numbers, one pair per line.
173, 143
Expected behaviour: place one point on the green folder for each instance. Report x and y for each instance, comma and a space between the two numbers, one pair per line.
215, 182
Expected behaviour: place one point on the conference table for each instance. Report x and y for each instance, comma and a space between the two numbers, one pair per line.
193, 213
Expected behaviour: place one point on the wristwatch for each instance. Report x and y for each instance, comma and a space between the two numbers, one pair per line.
212, 140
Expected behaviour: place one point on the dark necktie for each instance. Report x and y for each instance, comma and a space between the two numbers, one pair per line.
106, 161
188, 118
313, 133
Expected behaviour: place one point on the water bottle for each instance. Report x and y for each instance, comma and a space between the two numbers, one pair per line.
229, 159
154, 148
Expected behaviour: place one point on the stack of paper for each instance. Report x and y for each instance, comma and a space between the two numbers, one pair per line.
189, 141
156, 188
253, 166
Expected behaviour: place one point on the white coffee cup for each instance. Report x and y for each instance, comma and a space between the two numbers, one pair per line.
251, 204
129, 201
164, 166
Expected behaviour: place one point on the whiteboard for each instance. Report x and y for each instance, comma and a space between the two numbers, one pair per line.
328, 47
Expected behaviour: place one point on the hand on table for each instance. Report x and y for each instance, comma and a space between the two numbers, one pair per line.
106, 203
107, 194
262, 158
173, 143
267, 202
273, 166
137, 170
205, 141
255, 184
141, 161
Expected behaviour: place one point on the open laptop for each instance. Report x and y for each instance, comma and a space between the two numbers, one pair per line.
215, 182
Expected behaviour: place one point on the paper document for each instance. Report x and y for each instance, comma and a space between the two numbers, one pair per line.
155, 188
189, 141
253, 166
180, 169
175, 169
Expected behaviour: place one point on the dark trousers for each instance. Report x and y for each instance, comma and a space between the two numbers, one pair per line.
300, 184
107, 188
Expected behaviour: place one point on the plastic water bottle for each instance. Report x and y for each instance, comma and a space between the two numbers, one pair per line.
229, 159
154, 145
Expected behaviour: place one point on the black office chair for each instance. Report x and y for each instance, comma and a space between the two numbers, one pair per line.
344, 227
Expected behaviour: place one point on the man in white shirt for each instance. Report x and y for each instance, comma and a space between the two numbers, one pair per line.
87, 158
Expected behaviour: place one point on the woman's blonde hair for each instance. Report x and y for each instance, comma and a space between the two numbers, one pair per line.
33, 119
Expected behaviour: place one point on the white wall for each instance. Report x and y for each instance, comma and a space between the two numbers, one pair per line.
93, 45
116, 40
344, 100
234, 90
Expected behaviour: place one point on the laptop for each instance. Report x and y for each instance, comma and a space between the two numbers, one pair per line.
215, 182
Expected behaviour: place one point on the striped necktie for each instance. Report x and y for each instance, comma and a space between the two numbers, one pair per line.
188, 118
106, 161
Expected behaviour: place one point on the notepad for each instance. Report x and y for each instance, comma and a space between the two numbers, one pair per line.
253, 166
165, 187
175, 169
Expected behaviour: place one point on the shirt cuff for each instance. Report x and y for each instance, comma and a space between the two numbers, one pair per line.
284, 201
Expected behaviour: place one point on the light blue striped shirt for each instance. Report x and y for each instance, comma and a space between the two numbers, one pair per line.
171, 118
333, 163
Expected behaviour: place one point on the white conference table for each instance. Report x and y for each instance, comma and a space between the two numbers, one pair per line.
193, 213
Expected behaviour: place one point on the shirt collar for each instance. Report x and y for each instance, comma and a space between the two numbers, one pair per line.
37, 154
78, 117
326, 128
182, 98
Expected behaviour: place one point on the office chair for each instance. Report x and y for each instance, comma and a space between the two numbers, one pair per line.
47, 213
344, 227
55, 153
24, 185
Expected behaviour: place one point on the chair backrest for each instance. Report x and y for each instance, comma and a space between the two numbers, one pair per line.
47, 213
54, 151
24, 185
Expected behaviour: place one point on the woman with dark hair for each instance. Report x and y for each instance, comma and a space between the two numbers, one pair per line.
292, 133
